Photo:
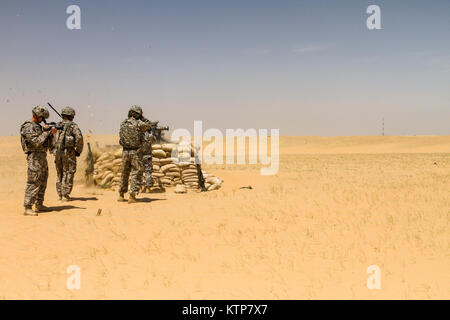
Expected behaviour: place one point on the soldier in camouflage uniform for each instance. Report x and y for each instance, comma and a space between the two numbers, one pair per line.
68, 145
35, 143
131, 132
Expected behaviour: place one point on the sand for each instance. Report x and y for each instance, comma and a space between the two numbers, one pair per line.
337, 206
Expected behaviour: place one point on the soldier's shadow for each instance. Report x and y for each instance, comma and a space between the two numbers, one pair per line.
84, 199
157, 191
147, 200
62, 208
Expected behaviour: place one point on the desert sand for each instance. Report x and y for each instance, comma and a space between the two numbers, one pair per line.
337, 206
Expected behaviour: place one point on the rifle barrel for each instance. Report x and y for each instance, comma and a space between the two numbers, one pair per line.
54, 109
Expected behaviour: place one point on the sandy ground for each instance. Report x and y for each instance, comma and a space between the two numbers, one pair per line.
336, 206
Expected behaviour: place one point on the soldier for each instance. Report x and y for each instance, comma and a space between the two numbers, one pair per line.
131, 131
36, 141
68, 145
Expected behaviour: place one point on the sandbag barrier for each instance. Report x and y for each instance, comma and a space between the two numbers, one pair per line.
173, 164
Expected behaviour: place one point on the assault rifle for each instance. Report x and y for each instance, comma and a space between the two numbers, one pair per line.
53, 124
157, 131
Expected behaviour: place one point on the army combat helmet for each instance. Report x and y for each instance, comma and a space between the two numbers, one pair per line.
135, 112
41, 111
68, 112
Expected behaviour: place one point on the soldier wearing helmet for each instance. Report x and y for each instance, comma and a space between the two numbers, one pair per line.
68, 145
131, 133
36, 141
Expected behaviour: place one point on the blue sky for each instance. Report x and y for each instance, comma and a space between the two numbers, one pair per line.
305, 67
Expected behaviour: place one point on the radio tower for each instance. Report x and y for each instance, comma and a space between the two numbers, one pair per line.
382, 126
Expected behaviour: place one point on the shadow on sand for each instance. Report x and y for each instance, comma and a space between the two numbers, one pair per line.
84, 199
147, 200
155, 191
62, 208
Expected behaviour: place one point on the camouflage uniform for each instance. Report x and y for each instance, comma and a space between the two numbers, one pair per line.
131, 131
68, 146
35, 143
146, 150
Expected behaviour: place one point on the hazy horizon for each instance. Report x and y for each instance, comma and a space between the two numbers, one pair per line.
308, 68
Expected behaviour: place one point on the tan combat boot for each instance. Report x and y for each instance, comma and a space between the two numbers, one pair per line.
66, 198
121, 198
29, 212
132, 199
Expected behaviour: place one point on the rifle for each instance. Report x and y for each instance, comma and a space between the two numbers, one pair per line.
53, 124
157, 131
54, 109
90, 168
201, 179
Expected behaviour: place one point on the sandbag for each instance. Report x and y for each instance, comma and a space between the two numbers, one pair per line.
168, 147
105, 156
106, 166
172, 174
117, 161
213, 187
168, 161
105, 173
189, 171
180, 189
157, 174
167, 167
156, 146
187, 181
107, 179
213, 180
165, 181
159, 153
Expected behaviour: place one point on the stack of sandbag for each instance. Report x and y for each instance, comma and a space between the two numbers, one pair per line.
173, 164
165, 165
107, 169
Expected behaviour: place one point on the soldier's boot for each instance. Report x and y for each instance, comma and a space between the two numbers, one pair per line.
29, 212
39, 207
121, 198
132, 199
66, 198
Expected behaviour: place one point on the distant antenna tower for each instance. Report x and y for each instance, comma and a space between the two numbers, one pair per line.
382, 126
